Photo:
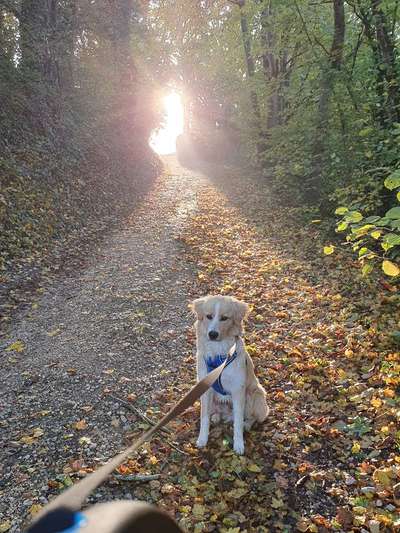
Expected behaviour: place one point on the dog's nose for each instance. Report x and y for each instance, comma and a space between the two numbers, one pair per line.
213, 335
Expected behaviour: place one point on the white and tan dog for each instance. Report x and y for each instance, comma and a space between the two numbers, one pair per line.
237, 394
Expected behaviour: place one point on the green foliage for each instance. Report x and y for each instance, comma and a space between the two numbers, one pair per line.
375, 239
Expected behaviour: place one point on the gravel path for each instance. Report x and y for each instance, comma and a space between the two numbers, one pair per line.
116, 328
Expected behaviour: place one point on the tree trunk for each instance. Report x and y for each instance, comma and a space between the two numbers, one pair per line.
66, 61
270, 67
250, 69
33, 39
383, 48
313, 187
387, 51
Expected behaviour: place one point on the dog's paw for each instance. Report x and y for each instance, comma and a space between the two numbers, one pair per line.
201, 441
239, 447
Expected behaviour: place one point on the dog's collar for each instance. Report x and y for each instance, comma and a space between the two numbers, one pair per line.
213, 362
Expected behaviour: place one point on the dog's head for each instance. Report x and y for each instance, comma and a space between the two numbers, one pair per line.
219, 317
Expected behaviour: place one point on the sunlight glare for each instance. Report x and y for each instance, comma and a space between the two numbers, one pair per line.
163, 141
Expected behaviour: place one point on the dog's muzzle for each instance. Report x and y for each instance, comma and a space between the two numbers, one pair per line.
213, 335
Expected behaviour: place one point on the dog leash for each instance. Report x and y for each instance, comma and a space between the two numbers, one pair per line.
71, 500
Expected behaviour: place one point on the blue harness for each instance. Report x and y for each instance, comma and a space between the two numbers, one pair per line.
216, 361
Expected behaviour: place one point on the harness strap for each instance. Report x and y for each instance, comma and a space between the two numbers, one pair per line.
216, 361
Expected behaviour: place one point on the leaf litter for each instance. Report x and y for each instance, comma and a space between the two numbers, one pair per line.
328, 457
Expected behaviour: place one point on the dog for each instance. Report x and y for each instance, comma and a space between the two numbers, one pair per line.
237, 394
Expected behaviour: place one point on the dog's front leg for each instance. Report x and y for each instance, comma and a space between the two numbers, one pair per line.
204, 419
238, 403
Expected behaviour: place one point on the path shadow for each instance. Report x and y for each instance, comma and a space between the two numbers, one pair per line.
68, 255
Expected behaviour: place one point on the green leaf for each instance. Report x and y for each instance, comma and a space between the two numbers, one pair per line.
367, 269
393, 213
396, 336
398, 196
395, 224
372, 219
342, 226
363, 251
341, 210
365, 132
392, 238
383, 221
353, 216
393, 181
359, 427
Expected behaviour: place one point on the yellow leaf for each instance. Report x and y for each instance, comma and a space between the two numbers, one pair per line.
153, 460
356, 447
384, 519
84, 441
35, 508
390, 269
5, 526
383, 476
376, 234
328, 250
30, 439
17, 346
254, 468
376, 402
27, 439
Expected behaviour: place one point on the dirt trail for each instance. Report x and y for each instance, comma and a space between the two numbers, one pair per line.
327, 457
115, 327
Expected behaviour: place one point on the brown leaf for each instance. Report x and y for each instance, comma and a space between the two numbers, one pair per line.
82, 424
344, 516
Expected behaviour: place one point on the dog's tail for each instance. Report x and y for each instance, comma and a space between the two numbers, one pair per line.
261, 408
257, 396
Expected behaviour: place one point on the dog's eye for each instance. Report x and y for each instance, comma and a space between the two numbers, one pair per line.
223, 318
209, 317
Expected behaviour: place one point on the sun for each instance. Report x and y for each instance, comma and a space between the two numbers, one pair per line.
163, 141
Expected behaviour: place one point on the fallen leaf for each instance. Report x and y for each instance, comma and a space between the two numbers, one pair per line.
80, 425
35, 508
253, 468
17, 346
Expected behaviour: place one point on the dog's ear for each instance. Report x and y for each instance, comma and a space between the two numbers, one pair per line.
197, 306
240, 312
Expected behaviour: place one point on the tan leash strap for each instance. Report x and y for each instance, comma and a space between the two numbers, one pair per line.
74, 496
